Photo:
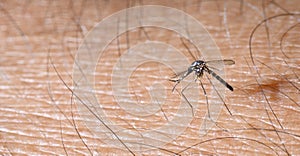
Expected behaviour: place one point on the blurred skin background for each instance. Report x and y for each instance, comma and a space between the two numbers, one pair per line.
39, 42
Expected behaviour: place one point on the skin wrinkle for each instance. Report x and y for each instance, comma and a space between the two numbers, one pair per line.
39, 108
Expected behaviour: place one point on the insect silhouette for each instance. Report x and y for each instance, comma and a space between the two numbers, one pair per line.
199, 67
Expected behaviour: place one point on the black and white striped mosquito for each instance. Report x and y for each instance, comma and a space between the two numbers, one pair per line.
199, 67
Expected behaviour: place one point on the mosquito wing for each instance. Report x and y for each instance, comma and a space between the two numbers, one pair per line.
216, 62
179, 76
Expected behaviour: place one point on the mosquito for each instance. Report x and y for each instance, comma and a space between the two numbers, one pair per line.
199, 67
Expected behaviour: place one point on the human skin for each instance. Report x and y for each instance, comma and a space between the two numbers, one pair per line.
38, 108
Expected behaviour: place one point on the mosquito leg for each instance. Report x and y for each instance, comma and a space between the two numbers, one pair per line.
161, 109
219, 95
186, 98
175, 86
204, 92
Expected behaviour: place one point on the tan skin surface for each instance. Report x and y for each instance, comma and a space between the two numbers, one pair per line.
39, 41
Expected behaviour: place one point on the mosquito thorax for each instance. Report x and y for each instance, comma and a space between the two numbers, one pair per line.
197, 63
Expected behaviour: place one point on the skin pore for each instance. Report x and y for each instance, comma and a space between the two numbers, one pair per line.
39, 109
